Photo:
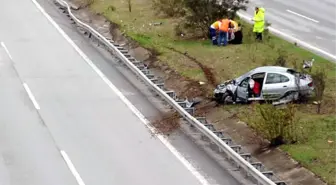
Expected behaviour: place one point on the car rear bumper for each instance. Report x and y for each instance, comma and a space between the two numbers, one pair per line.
309, 91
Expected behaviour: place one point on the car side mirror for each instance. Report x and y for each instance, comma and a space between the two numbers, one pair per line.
234, 82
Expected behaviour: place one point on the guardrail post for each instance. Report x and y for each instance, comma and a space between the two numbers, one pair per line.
190, 110
246, 156
202, 120
160, 85
131, 59
171, 94
236, 148
182, 104
154, 80
219, 134
210, 127
257, 165
268, 174
145, 71
122, 50
150, 76
228, 141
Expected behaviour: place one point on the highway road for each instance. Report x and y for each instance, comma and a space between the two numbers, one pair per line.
62, 124
311, 21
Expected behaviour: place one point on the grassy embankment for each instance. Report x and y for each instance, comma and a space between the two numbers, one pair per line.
317, 154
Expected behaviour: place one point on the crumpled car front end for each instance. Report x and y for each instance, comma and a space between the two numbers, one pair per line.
222, 88
219, 91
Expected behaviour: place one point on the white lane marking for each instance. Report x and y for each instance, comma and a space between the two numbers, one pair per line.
300, 42
302, 16
179, 156
72, 168
31, 96
7, 51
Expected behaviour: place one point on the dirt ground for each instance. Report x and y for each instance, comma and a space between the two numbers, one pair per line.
274, 159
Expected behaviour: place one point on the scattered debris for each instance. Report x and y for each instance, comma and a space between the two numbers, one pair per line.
316, 102
167, 123
308, 63
155, 24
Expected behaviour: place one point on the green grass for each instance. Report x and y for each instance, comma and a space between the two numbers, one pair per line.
231, 61
318, 153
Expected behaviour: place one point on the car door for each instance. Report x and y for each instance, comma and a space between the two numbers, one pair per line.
242, 89
275, 86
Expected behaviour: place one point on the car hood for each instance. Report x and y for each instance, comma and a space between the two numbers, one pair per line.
227, 85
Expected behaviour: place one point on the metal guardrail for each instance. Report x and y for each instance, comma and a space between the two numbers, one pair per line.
232, 152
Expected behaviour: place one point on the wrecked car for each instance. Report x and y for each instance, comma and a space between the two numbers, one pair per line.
276, 84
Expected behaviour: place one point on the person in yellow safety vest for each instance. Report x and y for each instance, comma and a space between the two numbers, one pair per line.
213, 31
235, 25
259, 22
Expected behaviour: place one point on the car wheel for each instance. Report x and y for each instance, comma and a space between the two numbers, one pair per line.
227, 98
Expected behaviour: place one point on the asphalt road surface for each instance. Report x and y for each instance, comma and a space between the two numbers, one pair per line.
311, 21
61, 124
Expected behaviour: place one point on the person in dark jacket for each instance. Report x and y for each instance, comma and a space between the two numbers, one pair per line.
238, 36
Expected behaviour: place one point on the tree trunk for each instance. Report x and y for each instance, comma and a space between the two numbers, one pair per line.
130, 5
319, 108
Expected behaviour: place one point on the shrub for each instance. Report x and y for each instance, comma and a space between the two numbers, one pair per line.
249, 36
178, 30
266, 34
170, 8
281, 60
296, 64
277, 125
109, 8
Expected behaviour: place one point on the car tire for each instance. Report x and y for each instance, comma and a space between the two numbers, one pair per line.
225, 98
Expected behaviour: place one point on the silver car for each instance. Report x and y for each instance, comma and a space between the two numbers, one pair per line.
276, 84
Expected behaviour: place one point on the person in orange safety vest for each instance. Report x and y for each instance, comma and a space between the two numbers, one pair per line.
223, 32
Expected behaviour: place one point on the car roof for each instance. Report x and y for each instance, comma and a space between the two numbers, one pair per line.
265, 69
269, 69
